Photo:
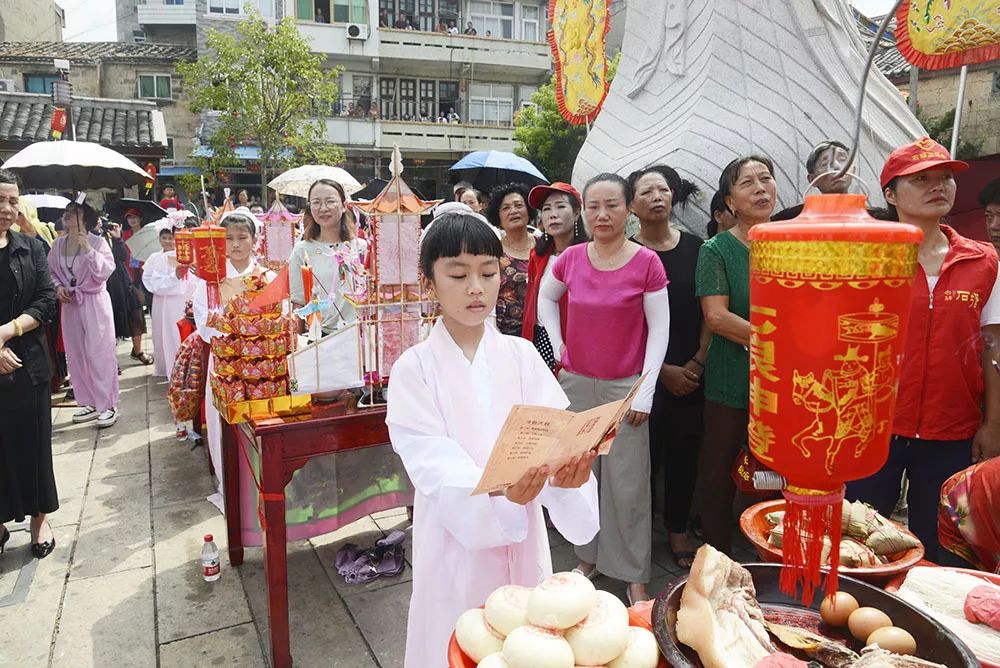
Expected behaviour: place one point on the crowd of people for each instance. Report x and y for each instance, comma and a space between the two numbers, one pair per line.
582, 310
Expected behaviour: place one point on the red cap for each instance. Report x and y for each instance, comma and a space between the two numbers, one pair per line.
132, 211
921, 155
209, 538
538, 194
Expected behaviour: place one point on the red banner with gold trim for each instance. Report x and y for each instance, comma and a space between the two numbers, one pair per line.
939, 34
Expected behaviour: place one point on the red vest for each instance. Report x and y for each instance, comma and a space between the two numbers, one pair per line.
941, 378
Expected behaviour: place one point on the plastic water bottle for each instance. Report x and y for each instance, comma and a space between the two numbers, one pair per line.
210, 565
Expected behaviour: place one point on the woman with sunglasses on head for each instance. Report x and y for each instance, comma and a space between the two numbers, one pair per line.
334, 251
558, 207
675, 422
81, 263
27, 302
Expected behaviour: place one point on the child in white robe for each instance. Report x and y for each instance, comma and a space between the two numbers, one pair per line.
240, 261
162, 276
448, 399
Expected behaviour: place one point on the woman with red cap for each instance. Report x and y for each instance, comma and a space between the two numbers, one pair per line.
559, 217
939, 428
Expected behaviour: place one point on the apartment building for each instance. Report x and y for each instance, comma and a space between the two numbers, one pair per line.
439, 78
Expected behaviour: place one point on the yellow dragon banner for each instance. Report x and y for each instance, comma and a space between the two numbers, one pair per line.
578, 39
938, 34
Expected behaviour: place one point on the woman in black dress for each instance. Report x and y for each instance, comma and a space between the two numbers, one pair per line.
675, 423
127, 296
27, 301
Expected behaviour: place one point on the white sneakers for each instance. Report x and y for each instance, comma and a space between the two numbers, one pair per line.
85, 414
107, 418
104, 419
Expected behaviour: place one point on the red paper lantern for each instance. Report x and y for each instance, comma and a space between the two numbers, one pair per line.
829, 304
59, 120
184, 248
209, 248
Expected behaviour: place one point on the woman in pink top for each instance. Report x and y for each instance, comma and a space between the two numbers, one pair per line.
617, 328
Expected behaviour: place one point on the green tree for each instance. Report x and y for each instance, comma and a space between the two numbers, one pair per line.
939, 129
270, 91
547, 139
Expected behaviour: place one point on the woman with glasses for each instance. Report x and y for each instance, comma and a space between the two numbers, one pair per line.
331, 247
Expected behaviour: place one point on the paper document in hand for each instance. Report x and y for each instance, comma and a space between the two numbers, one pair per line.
536, 436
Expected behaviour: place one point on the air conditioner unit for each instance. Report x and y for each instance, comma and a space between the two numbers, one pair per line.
7, 85
139, 36
359, 31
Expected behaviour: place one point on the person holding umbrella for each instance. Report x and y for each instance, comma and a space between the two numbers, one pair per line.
27, 301
81, 264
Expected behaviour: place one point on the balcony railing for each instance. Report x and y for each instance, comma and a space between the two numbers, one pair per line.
157, 13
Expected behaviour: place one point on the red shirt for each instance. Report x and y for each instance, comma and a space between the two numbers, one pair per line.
536, 270
941, 377
171, 203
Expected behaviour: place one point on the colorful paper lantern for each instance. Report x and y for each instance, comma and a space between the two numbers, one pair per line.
59, 120
830, 299
209, 247
184, 249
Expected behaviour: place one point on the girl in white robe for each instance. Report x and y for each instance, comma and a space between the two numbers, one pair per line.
240, 261
448, 399
170, 295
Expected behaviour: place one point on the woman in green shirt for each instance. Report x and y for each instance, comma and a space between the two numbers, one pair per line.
723, 284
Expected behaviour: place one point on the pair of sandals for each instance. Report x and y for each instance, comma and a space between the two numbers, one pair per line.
359, 565
140, 357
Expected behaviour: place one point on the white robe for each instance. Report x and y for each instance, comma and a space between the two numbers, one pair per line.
444, 415
170, 294
213, 422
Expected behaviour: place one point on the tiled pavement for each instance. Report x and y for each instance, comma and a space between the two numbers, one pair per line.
124, 588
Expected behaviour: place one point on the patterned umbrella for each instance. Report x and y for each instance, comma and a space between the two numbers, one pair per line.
296, 181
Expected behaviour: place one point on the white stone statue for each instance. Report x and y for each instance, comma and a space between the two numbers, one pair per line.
704, 81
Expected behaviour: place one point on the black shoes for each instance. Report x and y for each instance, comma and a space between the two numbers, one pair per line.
4, 538
42, 550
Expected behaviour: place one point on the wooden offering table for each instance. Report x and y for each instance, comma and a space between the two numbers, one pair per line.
283, 446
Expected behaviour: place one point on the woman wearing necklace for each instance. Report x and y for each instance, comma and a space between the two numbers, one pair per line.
559, 217
617, 328
509, 210
675, 423
81, 263
27, 302
723, 284
334, 252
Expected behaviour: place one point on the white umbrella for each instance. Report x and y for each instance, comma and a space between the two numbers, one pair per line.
296, 181
47, 201
145, 242
74, 165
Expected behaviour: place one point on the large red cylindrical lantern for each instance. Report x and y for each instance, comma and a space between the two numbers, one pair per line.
209, 245
830, 299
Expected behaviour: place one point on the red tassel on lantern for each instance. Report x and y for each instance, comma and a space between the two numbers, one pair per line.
209, 246
829, 305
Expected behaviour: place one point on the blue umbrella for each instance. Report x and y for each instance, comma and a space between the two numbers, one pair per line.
488, 169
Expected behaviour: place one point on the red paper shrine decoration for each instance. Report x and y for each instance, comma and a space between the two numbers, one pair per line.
184, 248
829, 304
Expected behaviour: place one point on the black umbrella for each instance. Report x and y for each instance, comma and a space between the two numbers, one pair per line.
150, 210
487, 169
